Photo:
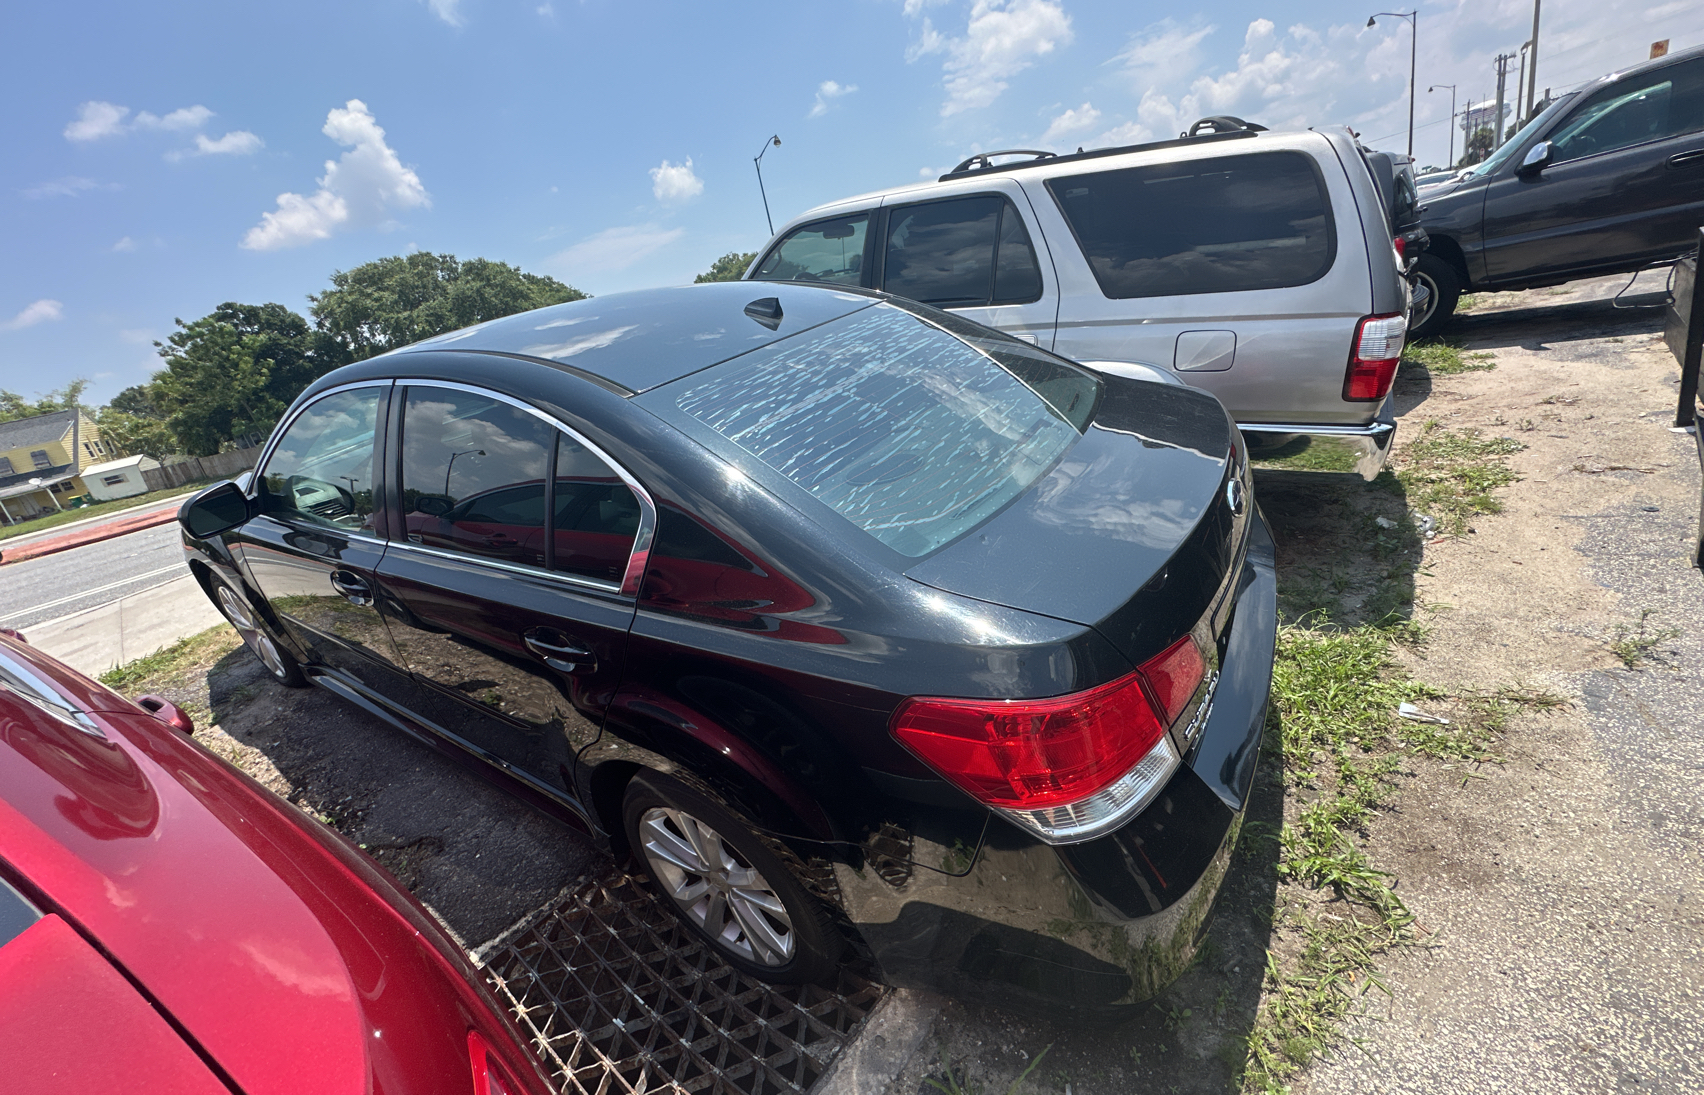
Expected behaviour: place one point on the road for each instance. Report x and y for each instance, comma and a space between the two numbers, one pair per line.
58, 585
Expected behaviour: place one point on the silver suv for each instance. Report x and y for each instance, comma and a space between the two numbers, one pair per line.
1258, 266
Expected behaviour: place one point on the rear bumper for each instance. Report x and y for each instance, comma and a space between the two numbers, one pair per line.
1361, 449
1086, 931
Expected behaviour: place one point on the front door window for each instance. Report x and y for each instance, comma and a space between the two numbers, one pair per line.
321, 470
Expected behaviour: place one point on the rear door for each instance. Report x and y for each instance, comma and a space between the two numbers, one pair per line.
1244, 272
978, 253
514, 652
1625, 182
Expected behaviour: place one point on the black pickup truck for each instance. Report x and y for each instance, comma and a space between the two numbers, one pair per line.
1608, 179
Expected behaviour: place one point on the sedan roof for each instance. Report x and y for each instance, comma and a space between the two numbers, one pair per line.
639, 340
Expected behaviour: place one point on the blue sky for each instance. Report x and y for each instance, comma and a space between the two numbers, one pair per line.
166, 158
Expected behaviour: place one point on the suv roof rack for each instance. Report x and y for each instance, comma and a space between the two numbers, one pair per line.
1224, 123
982, 162
968, 168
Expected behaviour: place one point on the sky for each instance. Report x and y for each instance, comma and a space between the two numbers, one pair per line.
164, 159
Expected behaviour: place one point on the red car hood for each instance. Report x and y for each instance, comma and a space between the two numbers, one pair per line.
292, 961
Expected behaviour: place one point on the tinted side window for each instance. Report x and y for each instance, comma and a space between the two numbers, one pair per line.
597, 516
1017, 277
1227, 224
473, 471
321, 470
1664, 103
831, 251
960, 253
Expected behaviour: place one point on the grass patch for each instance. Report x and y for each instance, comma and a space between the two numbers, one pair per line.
1450, 475
1634, 644
1302, 454
169, 666
99, 509
1441, 357
953, 1081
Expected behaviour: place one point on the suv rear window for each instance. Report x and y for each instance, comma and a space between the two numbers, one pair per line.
910, 433
1220, 225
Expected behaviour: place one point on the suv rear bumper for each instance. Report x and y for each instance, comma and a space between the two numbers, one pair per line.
1362, 449
1086, 931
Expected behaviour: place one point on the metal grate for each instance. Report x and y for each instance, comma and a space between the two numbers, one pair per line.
621, 999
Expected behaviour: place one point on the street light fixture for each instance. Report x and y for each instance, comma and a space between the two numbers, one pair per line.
757, 162
1452, 87
452, 464
1413, 18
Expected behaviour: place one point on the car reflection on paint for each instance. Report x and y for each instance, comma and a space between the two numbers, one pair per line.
857, 627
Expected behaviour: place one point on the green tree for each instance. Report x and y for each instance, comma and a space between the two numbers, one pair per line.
394, 301
135, 400
1480, 144
730, 267
13, 405
231, 374
133, 433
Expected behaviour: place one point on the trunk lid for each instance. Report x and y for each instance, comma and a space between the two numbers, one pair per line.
1134, 531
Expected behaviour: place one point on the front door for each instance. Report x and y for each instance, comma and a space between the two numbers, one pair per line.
314, 547
505, 588
1625, 182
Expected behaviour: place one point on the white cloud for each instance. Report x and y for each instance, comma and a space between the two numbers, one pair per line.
137, 335
673, 183
613, 249
40, 311
447, 10
125, 243
189, 117
238, 142
827, 92
1002, 38
545, 11
68, 187
96, 120
1074, 120
361, 189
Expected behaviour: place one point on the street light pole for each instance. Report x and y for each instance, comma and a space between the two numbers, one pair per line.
757, 162
452, 464
1532, 69
1452, 87
1413, 18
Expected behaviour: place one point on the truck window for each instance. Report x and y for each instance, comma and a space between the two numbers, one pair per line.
1221, 225
829, 251
961, 253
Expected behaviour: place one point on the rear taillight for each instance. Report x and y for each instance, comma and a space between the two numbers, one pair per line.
1372, 363
1401, 246
488, 1078
1068, 768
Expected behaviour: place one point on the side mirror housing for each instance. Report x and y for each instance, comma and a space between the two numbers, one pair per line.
215, 510
1536, 159
434, 505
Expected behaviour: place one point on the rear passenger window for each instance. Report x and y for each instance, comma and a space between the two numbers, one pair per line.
597, 515
960, 253
830, 251
1221, 225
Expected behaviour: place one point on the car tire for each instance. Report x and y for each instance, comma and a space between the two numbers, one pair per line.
727, 884
1445, 283
239, 612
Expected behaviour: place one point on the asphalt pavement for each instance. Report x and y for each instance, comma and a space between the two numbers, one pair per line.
34, 590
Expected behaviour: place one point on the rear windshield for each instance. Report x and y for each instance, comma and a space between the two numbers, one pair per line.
910, 433
1221, 225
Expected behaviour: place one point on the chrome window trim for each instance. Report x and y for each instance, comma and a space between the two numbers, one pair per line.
21, 680
498, 564
290, 420
642, 538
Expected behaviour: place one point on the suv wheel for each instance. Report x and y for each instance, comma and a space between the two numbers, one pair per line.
278, 661
726, 884
1445, 284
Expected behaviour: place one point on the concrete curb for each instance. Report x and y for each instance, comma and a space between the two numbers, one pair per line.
118, 526
97, 639
892, 1034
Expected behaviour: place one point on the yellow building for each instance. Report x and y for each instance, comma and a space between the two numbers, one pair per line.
42, 461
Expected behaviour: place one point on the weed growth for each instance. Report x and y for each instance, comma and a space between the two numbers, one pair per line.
1444, 358
1450, 475
1634, 644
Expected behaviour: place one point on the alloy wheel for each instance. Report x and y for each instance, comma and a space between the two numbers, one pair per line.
257, 640
730, 900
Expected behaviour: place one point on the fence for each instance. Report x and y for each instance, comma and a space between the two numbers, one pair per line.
218, 466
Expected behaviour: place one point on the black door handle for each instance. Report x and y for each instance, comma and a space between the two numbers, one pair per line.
1681, 159
354, 588
559, 651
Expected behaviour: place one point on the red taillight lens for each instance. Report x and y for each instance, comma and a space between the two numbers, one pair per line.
1373, 362
1401, 246
487, 1076
1030, 755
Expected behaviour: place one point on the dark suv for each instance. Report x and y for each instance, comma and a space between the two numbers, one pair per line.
1606, 180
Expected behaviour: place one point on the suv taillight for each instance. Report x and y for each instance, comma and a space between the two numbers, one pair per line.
1401, 246
1372, 363
1068, 768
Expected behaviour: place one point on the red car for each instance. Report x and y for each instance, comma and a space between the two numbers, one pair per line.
168, 925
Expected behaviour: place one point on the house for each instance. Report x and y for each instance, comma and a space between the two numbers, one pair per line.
119, 478
42, 461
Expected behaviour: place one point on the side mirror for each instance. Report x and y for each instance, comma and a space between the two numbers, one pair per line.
1536, 159
433, 505
216, 509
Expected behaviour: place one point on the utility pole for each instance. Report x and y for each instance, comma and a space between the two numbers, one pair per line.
1503, 60
1532, 70
1520, 81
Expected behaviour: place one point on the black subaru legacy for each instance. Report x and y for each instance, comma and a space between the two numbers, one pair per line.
865, 631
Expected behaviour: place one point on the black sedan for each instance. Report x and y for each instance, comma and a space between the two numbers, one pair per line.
858, 626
